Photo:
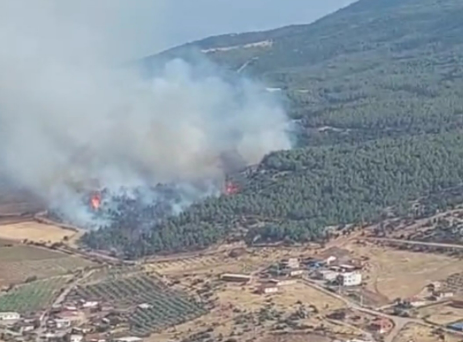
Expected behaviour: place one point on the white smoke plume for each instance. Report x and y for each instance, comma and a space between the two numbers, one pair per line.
68, 115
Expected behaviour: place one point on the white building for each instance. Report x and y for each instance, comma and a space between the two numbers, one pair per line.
296, 273
62, 323
350, 279
330, 260
90, 305
328, 275
269, 289
283, 282
7, 316
76, 338
129, 339
291, 263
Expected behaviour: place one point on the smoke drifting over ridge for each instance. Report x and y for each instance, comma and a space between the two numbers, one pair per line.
68, 117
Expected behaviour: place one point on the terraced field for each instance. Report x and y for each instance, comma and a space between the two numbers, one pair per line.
162, 307
33, 296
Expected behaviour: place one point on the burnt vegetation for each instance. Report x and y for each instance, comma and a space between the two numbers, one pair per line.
376, 93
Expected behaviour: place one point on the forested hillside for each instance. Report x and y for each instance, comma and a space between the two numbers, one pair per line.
377, 90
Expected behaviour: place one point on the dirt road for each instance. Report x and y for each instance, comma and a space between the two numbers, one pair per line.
418, 243
399, 322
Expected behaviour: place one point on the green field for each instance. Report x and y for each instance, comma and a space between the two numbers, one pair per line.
168, 307
33, 296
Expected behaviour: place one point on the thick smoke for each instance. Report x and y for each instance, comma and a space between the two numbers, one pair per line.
70, 120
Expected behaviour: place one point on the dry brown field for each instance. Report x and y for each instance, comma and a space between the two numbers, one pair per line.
419, 333
19, 262
35, 231
441, 314
403, 274
232, 300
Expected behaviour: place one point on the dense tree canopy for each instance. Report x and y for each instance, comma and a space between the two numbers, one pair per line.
376, 91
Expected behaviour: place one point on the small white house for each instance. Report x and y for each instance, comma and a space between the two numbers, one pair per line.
76, 338
350, 279
90, 305
9, 316
62, 323
296, 273
269, 289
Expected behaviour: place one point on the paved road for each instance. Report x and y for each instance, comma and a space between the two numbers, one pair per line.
399, 322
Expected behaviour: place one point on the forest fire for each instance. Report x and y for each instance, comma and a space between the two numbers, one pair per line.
231, 188
95, 201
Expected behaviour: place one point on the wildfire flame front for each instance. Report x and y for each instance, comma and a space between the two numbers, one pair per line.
95, 201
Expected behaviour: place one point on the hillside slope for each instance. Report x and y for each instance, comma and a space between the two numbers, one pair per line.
379, 66
377, 88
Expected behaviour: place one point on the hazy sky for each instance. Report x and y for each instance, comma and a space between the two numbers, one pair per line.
148, 26
186, 20
133, 28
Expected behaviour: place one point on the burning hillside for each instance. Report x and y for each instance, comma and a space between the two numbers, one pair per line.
140, 207
68, 118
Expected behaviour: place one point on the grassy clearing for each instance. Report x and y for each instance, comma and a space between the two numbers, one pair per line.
33, 296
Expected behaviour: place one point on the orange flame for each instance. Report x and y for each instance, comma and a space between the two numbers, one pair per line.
231, 188
95, 201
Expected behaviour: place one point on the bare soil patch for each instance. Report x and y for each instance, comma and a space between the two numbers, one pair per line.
403, 274
419, 333
35, 231
442, 314
20, 262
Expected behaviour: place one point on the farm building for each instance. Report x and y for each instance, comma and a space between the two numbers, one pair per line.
76, 338
266, 289
241, 278
350, 279
129, 339
444, 294
416, 302
295, 273
381, 325
291, 263
282, 282
327, 275
9, 316
90, 305
62, 323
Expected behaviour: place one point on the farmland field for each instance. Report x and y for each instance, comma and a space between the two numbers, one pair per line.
35, 231
396, 273
165, 307
33, 296
19, 262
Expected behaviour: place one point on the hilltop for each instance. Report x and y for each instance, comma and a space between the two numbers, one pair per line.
376, 88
